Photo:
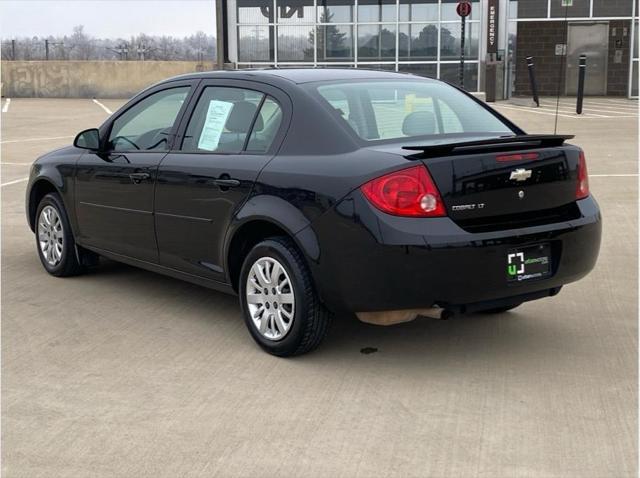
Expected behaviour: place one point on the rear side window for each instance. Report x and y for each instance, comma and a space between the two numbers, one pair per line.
222, 120
385, 110
266, 127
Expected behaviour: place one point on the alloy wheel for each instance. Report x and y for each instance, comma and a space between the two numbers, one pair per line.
270, 298
50, 235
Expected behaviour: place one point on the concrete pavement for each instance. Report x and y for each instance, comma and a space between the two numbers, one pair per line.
122, 372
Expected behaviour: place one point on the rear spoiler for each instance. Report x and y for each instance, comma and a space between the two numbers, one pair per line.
525, 141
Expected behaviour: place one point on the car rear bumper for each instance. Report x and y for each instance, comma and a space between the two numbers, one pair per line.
371, 261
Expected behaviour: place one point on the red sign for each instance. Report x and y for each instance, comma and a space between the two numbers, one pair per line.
463, 9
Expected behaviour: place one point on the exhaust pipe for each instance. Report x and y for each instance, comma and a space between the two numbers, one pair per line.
392, 317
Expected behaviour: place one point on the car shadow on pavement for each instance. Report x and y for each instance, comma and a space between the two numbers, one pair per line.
424, 341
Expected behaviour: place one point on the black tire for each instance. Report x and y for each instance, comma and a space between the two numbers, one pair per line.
310, 317
500, 310
68, 264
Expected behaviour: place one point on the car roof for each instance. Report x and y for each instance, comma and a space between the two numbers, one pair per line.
302, 75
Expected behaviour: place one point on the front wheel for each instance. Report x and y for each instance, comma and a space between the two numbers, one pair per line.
279, 302
54, 239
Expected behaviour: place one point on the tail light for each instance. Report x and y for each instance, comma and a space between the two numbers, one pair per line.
582, 190
409, 192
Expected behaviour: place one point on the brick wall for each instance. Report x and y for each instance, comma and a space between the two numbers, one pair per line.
618, 73
539, 40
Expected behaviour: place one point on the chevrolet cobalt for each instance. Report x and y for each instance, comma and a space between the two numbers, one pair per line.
309, 192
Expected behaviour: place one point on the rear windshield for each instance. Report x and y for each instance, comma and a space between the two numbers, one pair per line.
386, 110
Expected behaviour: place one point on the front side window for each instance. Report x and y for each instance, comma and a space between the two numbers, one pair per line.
222, 120
147, 125
386, 110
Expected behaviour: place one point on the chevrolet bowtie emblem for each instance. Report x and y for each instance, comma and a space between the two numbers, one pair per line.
520, 175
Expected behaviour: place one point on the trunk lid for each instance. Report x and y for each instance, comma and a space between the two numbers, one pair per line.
504, 183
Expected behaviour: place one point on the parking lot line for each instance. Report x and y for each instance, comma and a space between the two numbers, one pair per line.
109, 112
551, 111
7, 102
14, 182
587, 108
34, 139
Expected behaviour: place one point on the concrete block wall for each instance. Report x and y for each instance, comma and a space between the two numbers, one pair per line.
539, 40
88, 79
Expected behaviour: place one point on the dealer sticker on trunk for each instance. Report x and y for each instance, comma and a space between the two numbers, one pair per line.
528, 263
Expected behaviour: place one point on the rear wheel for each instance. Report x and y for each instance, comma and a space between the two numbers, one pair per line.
279, 302
54, 239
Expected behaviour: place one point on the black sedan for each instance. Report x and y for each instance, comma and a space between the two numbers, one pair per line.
309, 192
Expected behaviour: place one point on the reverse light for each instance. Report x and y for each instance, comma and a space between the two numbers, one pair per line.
582, 190
409, 192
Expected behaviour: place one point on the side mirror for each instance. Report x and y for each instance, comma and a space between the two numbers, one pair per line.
88, 139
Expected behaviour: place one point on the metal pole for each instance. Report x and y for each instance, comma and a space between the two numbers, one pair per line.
532, 80
221, 34
581, 74
46, 49
462, 32
13, 49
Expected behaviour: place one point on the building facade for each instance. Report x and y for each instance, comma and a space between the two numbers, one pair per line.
424, 37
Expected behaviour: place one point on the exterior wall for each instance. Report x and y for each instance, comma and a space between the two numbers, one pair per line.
88, 79
539, 40
618, 73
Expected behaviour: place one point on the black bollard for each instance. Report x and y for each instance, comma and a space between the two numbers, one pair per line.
532, 80
582, 71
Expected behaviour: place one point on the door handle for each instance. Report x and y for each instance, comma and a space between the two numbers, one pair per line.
137, 178
226, 183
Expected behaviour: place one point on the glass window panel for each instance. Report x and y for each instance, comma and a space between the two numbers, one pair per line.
513, 9
146, 126
376, 11
609, 8
636, 40
377, 42
254, 11
266, 127
429, 71
418, 42
295, 11
634, 79
580, 8
449, 10
335, 43
233, 107
247, 66
531, 8
377, 66
450, 41
335, 11
419, 11
295, 43
451, 73
255, 43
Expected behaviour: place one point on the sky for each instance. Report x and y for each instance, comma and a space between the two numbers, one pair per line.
106, 18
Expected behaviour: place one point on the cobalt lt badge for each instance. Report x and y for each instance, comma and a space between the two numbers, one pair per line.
521, 194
